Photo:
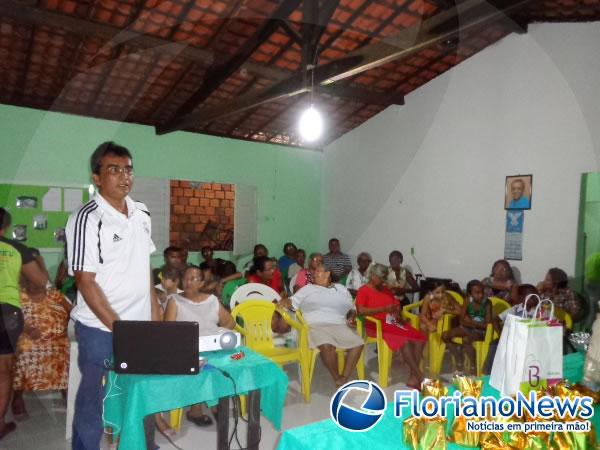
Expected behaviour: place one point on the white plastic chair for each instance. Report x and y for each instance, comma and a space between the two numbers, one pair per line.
253, 291
257, 291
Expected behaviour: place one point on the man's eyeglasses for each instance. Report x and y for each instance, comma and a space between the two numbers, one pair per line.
117, 170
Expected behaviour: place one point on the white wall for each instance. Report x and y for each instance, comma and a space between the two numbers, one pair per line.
431, 174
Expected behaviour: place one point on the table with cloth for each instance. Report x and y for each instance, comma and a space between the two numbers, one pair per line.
388, 433
129, 398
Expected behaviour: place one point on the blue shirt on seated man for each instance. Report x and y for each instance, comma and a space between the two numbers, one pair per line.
519, 201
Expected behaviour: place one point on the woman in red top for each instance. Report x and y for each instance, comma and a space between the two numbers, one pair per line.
374, 299
264, 271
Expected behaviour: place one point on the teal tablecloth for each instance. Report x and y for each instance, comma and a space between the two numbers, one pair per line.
132, 397
388, 433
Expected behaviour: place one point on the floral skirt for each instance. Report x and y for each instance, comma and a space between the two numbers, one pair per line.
43, 366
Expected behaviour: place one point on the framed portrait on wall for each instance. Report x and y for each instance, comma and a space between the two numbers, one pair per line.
518, 192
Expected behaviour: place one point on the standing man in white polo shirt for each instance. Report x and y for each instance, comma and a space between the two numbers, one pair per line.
109, 246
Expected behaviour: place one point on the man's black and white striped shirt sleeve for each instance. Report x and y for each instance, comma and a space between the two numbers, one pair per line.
82, 239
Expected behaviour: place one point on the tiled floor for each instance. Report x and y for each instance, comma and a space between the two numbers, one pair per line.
45, 427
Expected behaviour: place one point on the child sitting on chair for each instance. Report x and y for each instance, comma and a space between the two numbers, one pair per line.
523, 291
168, 286
520, 293
435, 304
475, 315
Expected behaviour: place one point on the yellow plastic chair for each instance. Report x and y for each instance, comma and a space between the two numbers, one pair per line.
412, 317
411, 313
341, 354
564, 317
384, 352
435, 348
256, 317
482, 348
457, 296
175, 417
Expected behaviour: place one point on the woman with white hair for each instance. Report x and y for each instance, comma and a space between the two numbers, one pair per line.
329, 312
376, 300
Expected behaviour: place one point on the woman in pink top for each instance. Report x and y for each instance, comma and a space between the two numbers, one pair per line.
307, 276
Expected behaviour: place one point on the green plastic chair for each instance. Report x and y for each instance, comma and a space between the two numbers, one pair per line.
229, 288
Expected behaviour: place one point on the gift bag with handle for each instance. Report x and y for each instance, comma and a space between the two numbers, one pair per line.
530, 351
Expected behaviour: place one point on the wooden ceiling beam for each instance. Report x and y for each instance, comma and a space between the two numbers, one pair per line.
153, 115
519, 25
419, 37
314, 22
405, 43
324, 15
218, 73
31, 15
232, 13
261, 127
368, 96
310, 16
357, 13
313, 25
333, 133
20, 90
398, 9
290, 32
180, 18
341, 90
287, 88
110, 64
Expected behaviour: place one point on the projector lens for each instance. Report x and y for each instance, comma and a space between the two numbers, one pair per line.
228, 341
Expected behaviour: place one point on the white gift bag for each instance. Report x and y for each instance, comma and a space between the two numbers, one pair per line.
529, 354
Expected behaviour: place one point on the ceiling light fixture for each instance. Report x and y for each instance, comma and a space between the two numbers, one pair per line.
311, 122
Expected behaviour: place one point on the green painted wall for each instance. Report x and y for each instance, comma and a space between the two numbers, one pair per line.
38, 147
588, 238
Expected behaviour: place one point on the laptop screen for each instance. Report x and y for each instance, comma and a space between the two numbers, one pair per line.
144, 347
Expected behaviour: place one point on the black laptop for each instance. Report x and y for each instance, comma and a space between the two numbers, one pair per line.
143, 347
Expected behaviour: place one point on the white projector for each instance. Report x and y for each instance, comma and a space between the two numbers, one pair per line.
223, 339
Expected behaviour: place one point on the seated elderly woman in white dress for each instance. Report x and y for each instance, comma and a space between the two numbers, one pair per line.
196, 305
329, 312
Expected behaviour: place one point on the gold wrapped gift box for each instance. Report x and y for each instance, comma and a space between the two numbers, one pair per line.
469, 387
427, 434
430, 434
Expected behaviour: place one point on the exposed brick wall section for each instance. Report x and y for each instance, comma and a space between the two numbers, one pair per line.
202, 214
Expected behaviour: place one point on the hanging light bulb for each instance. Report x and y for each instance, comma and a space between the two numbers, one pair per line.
311, 124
